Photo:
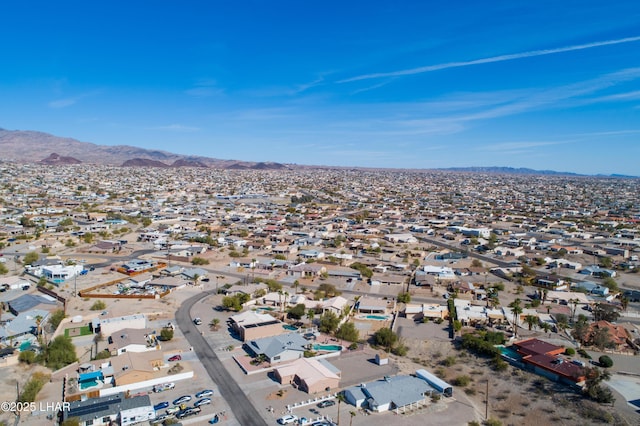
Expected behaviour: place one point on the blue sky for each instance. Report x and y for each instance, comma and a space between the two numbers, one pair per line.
409, 84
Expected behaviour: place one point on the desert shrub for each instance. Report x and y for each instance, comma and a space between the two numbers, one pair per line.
449, 361
462, 381
98, 305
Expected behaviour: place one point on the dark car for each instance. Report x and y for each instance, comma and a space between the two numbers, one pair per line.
188, 412
326, 403
175, 358
161, 405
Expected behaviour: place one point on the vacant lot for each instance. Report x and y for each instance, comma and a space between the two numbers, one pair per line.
515, 396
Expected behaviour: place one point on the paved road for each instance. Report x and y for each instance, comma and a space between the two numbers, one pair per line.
242, 408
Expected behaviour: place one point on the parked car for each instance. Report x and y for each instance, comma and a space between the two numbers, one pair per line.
288, 419
188, 412
203, 401
175, 358
164, 387
197, 321
204, 393
161, 405
326, 403
182, 400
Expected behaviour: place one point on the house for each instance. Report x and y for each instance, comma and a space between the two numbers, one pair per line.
369, 305
597, 271
132, 367
276, 349
441, 272
251, 325
108, 326
306, 270
310, 375
111, 409
617, 335
426, 310
545, 359
390, 393
132, 340
29, 302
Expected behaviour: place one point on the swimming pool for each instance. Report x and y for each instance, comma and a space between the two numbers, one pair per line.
376, 317
509, 353
329, 348
289, 327
88, 384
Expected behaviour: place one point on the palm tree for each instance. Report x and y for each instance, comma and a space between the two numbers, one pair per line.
545, 293
517, 310
310, 314
353, 414
624, 302
214, 324
546, 327
531, 321
340, 398
573, 311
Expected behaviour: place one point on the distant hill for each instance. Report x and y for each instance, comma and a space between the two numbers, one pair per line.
55, 159
27, 146
510, 170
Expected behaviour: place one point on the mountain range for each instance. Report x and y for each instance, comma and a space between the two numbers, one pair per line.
26, 146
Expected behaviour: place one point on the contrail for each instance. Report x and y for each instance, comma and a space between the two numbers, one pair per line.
500, 58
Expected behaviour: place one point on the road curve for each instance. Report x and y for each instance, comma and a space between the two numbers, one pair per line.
240, 405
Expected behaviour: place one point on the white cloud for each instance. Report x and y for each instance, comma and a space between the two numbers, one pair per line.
500, 58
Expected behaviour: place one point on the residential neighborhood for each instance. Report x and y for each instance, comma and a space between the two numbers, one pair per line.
324, 296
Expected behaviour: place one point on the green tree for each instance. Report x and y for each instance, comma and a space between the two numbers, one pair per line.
88, 237
516, 309
340, 398
3, 269
531, 321
329, 322
60, 353
581, 329
231, 303
297, 311
199, 261
386, 338
30, 258
348, 332
606, 312
56, 318
606, 262
605, 361
611, 284
329, 290
166, 334
404, 297
27, 357
33, 386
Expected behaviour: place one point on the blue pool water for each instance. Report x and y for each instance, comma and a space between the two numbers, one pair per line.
330, 348
88, 384
377, 317
289, 327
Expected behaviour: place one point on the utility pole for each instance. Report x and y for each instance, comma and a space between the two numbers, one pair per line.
486, 408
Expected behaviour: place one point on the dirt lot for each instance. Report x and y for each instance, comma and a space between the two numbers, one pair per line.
516, 397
